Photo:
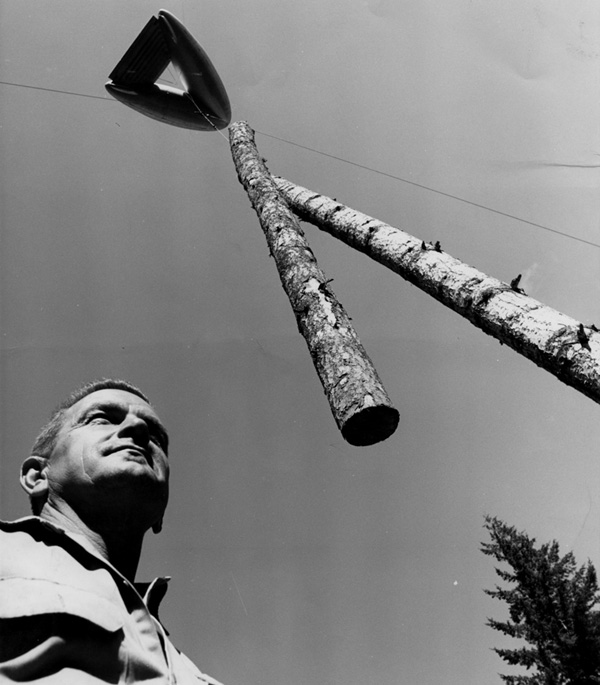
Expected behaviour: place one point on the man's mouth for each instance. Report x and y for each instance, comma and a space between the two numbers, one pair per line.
136, 452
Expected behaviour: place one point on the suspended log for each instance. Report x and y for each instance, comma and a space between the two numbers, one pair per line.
567, 348
358, 400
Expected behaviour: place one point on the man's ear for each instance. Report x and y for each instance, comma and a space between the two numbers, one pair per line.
34, 477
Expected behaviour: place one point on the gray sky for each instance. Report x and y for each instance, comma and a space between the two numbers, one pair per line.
129, 248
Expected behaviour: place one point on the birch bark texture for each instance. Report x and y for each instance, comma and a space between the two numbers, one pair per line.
359, 403
559, 344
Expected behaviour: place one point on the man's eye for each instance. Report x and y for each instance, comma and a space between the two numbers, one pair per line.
98, 419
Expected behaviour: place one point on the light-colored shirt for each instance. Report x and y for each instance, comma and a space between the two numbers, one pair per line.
68, 617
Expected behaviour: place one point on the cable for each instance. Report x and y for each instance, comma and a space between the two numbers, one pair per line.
434, 190
54, 90
347, 161
207, 118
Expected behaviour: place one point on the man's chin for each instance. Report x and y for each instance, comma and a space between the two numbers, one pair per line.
133, 477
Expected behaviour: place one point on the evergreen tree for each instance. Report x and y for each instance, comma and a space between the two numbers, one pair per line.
553, 608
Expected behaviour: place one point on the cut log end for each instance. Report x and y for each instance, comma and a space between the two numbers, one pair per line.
371, 425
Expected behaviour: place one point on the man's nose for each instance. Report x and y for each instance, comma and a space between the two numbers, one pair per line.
136, 428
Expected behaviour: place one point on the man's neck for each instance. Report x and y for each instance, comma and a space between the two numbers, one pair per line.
117, 544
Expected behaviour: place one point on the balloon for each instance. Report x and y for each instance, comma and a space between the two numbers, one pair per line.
203, 106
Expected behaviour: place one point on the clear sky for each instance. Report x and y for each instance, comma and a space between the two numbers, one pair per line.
128, 248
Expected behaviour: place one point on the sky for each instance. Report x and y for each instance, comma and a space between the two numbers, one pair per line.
129, 248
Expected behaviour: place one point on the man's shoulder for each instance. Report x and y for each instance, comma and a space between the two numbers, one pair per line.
17, 537
33, 525
33, 548
26, 548
18, 524
41, 574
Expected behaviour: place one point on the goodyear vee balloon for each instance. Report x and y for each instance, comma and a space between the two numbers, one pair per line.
203, 105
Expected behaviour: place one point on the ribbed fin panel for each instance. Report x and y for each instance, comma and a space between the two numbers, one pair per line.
146, 59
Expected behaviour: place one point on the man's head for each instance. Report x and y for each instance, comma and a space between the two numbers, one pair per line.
104, 443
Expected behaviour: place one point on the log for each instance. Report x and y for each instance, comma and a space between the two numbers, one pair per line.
567, 348
360, 405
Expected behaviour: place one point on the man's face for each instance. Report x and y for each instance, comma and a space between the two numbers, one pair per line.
111, 445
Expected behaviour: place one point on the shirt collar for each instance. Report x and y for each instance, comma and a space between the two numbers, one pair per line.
152, 593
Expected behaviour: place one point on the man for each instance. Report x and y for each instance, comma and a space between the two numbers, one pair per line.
70, 610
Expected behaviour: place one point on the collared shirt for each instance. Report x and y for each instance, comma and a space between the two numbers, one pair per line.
68, 617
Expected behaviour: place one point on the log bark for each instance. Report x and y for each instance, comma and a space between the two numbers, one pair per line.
358, 400
565, 347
